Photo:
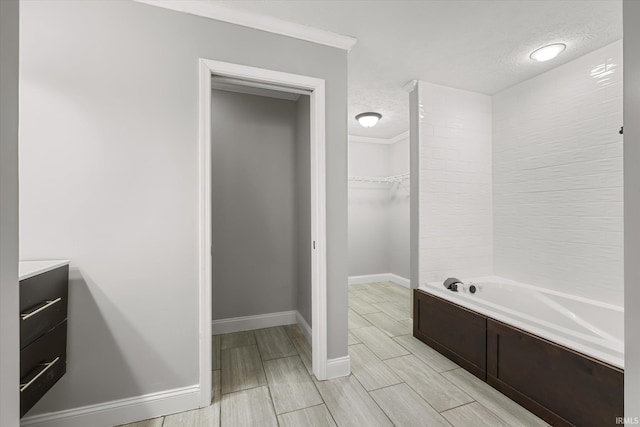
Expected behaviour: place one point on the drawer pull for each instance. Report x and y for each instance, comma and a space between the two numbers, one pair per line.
23, 387
48, 304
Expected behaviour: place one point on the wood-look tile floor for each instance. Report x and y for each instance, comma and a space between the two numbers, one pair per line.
263, 378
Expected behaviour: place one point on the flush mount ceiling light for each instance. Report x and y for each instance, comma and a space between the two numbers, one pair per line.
368, 120
548, 52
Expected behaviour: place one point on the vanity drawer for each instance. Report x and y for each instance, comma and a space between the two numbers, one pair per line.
43, 303
42, 363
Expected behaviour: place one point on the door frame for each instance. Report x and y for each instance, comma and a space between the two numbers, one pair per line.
294, 82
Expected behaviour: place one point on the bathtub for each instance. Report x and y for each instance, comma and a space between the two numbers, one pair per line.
590, 327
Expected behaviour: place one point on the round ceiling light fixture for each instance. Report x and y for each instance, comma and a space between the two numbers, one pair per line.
368, 120
548, 52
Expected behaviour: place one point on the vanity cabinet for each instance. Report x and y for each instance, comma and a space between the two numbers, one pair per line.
43, 328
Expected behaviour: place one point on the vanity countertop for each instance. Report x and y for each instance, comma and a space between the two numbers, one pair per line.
28, 269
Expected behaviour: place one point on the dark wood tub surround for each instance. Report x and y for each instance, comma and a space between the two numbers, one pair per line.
560, 385
454, 331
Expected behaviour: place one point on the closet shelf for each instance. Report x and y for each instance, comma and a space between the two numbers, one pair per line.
393, 179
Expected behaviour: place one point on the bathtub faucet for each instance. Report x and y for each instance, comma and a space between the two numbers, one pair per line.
452, 284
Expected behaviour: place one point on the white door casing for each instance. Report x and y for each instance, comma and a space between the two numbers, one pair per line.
288, 82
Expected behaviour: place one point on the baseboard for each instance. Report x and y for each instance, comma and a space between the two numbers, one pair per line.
368, 278
121, 411
338, 367
304, 327
402, 281
382, 277
248, 323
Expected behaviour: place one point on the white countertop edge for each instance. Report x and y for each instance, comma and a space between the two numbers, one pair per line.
27, 269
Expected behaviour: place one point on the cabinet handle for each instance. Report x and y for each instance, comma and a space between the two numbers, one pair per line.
48, 304
23, 387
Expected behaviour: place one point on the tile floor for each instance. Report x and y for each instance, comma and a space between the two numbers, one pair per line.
263, 378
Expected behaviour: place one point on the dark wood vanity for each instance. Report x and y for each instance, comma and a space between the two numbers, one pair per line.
43, 329
558, 384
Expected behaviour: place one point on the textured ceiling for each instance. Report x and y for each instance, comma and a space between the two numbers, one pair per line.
478, 45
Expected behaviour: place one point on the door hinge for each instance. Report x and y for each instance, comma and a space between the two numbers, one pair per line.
314, 244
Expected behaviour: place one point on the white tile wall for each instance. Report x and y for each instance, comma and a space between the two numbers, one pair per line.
455, 183
557, 178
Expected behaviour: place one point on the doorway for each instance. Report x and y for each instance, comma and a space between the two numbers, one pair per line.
257, 79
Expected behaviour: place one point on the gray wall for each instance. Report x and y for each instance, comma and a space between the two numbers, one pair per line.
9, 362
254, 229
109, 179
303, 202
632, 207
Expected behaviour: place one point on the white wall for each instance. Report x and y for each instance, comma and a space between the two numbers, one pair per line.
455, 183
557, 178
368, 210
399, 254
254, 206
9, 327
632, 208
109, 179
378, 213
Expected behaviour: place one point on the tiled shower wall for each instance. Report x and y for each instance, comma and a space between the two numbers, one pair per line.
557, 178
455, 183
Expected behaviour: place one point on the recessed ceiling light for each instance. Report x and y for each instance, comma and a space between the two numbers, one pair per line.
548, 52
368, 120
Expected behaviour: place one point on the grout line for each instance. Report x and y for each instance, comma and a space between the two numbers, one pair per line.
383, 387
324, 402
372, 399
281, 357
425, 400
302, 409
421, 397
237, 346
397, 357
273, 405
244, 389
459, 406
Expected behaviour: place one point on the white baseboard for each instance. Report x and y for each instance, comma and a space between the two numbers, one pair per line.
368, 278
304, 327
402, 281
121, 411
248, 323
338, 367
382, 277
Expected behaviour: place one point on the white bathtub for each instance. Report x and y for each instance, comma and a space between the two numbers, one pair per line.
587, 326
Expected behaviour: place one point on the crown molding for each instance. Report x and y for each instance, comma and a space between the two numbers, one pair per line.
399, 137
270, 24
368, 139
386, 141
